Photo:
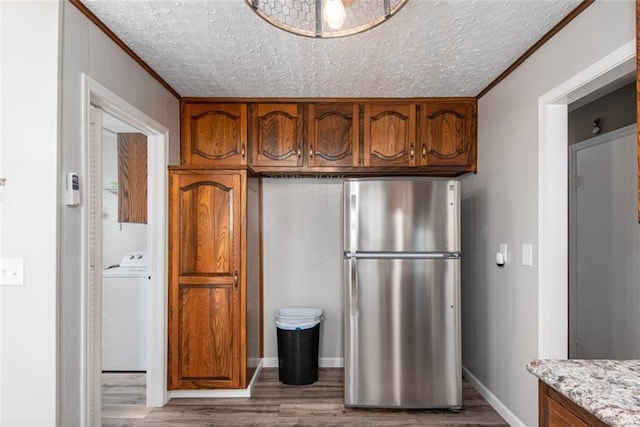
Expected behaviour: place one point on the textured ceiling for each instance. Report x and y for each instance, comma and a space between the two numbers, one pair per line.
221, 48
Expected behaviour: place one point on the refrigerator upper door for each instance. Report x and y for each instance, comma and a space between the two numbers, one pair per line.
402, 215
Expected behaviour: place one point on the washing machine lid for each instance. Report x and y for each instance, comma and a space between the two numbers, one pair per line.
124, 272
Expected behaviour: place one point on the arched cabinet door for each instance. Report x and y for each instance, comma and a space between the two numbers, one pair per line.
334, 135
448, 135
389, 134
214, 134
205, 280
276, 135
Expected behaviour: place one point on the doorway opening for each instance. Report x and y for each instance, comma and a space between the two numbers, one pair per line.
124, 265
553, 210
604, 246
98, 98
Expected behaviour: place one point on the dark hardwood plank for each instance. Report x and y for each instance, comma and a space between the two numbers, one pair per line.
318, 404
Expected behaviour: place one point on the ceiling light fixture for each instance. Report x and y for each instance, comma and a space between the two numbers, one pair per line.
326, 18
334, 14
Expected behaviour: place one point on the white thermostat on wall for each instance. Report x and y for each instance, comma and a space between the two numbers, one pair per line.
72, 189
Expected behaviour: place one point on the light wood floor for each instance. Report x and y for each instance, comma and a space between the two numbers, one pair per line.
275, 404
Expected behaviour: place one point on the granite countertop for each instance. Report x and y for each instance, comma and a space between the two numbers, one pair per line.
609, 389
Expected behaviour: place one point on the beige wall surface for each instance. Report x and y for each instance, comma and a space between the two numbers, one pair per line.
500, 205
303, 256
86, 49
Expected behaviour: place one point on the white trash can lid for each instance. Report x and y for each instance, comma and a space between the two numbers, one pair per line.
296, 318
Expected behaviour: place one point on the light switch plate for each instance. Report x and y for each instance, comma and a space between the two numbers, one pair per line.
527, 254
11, 271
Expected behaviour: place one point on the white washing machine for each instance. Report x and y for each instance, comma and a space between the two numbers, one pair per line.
124, 314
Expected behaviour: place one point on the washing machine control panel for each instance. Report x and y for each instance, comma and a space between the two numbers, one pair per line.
134, 259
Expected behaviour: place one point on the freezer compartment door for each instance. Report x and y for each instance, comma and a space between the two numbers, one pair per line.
402, 337
402, 215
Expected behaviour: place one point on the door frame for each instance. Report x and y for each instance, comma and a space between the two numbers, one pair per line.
553, 195
94, 94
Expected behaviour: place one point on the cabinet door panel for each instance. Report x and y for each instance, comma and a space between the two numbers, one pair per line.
557, 410
333, 135
561, 417
208, 333
204, 291
389, 134
277, 135
214, 134
449, 135
206, 229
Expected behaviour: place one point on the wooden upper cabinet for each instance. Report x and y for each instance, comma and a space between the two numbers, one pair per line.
389, 134
276, 135
333, 135
214, 134
204, 291
448, 135
412, 136
132, 177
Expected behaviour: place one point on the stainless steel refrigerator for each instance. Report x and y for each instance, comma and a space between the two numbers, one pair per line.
402, 293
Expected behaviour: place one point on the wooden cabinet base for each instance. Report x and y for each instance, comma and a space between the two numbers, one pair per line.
555, 410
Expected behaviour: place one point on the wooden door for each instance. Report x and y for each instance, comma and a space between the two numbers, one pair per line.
389, 134
204, 293
276, 135
334, 131
449, 135
214, 134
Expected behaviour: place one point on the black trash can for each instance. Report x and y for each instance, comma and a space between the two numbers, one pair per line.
298, 344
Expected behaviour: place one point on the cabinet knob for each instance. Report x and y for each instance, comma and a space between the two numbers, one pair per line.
412, 152
311, 152
299, 152
235, 279
242, 151
424, 150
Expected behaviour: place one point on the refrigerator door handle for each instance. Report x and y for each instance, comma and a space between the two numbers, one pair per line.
353, 288
353, 223
405, 255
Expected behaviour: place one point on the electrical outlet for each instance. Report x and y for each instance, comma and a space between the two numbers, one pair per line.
11, 271
503, 251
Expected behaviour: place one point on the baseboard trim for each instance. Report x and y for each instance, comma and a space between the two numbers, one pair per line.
243, 392
493, 400
323, 362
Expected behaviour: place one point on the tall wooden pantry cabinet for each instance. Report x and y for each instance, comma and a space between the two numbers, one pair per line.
214, 271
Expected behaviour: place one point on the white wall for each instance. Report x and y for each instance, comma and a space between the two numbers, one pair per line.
302, 253
28, 210
85, 49
500, 204
118, 238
